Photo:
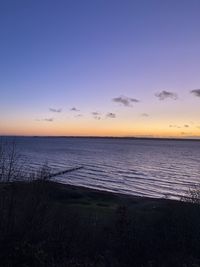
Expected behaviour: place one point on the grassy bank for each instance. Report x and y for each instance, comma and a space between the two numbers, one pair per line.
49, 224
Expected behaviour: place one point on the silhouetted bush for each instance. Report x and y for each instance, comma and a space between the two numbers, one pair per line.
193, 195
10, 168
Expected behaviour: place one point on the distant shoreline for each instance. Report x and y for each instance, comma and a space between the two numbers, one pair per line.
106, 137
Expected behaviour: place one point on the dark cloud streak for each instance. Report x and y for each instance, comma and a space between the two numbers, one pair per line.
125, 101
195, 92
74, 109
174, 126
166, 95
145, 115
78, 116
111, 115
55, 110
95, 113
46, 119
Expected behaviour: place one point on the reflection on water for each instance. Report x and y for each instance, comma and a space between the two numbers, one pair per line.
141, 167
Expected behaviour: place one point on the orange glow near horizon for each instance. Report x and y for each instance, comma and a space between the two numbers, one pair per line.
100, 69
107, 128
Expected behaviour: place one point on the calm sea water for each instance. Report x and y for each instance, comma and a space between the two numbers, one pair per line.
154, 168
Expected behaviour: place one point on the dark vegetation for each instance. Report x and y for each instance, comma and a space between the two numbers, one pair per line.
43, 223
47, 224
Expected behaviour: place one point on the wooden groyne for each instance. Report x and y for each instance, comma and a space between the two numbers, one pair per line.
65, 171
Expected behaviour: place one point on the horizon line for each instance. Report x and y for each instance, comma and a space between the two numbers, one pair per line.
195, 138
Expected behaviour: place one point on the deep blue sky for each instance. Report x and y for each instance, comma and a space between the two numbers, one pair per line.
63, 54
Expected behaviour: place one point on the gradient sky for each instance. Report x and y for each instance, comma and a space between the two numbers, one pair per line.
100, 67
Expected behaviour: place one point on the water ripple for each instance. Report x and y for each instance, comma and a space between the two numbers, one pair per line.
153, 168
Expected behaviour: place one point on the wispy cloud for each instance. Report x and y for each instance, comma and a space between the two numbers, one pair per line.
111, 115
55, 110
74, 109
195, 92
96, 115
145, 115
174, 126
78, 115
97, 118
188, 134
177, 126
46, 119
125, 101
166, 95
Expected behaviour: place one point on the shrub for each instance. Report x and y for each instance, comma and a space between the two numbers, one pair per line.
10, 168
193, 195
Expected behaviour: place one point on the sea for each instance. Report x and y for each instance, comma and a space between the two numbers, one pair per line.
143, 167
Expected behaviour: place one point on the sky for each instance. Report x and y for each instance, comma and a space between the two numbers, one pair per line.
100, 68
